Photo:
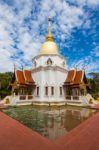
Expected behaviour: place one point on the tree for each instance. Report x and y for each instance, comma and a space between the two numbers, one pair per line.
5, 80
94, 82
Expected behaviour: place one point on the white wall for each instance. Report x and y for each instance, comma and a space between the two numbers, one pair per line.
57, 60
49, 77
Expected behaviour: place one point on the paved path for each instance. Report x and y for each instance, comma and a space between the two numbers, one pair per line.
83, 137
15, 136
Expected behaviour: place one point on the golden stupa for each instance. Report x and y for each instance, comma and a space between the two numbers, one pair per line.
49, 46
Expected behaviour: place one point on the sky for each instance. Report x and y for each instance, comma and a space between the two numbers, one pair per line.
24, 25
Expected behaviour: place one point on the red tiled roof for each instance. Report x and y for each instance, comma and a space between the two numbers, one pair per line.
28, 76
78, 77
70, 76
20, 77
24, 77
15, 136
74, 77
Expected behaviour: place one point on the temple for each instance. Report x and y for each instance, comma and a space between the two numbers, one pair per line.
76, 85
49, 81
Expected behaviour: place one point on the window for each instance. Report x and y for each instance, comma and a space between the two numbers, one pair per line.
52, 90
49, 62
37, 91
46, 91
60, 90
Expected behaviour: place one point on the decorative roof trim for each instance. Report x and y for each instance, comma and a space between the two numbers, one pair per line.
16, 76
49, 68
38, 56
75, 71
77, 80
83, 72
24, 75
22, 79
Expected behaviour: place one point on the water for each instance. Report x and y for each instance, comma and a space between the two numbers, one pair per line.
51, 122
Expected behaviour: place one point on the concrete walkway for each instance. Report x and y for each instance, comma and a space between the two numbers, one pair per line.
83, 137
15, 136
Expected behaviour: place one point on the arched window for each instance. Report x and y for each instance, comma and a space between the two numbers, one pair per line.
61, 92
46, 90
37, 91
49, 62
52, 90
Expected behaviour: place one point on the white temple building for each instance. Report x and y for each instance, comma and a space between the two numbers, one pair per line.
49, 71
49, 81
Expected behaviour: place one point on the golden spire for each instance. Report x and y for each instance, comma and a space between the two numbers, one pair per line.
49, 36
14, 67
49, 46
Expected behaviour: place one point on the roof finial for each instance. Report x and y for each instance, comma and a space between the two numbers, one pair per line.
22, 67
49, 24
49, 36
75, 67
14, 67
84, 67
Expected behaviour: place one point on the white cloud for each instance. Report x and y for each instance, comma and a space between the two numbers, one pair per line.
95, 52
93, 2
13, 28
5, 62
90, 3
88, 63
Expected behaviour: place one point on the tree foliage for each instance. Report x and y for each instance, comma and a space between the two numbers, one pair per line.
5, 80
94, 83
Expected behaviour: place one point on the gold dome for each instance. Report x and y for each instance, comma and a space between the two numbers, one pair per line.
49, 46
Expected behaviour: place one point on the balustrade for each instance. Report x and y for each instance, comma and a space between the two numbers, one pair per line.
73, 98
25, 97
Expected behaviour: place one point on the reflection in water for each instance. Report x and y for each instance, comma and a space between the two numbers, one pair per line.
61, 121
50, 122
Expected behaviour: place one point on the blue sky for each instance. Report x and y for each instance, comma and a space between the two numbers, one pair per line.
75, 26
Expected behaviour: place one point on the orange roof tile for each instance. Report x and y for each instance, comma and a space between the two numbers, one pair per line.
24, 77
78, 77
28, 76
74, 77
70, 76
20, 77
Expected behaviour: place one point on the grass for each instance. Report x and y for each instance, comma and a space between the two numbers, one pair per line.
28, 116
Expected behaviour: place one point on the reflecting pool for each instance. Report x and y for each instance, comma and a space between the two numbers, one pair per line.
51, 122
